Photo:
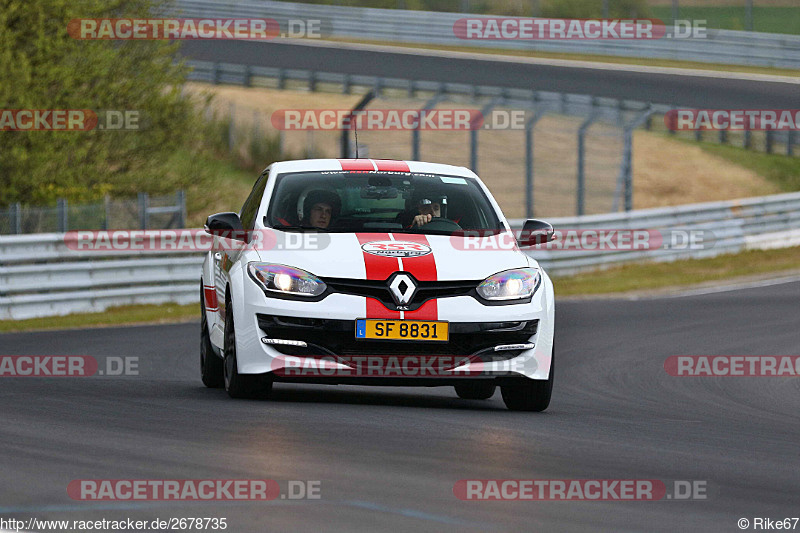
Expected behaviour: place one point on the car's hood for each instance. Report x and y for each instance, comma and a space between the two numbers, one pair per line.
377, 255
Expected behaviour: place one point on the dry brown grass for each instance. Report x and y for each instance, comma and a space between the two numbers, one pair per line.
670, 172
666, 171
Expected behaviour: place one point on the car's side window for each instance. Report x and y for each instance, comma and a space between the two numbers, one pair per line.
250, 207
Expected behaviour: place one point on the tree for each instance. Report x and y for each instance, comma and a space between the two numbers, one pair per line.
44, 68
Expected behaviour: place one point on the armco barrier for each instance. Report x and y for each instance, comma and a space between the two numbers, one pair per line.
41, 276
434, 28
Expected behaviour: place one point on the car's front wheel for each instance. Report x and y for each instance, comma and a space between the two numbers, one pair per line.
240, 385
523, 394
476, 390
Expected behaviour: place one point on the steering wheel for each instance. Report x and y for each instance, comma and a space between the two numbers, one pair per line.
439, 224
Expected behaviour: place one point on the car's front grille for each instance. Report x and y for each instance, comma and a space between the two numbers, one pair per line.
326, 337
379, 289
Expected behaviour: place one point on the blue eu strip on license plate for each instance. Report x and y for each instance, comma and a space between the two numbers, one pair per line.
361, 328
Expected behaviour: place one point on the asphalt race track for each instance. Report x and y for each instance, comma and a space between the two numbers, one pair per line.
388, 458
660, 88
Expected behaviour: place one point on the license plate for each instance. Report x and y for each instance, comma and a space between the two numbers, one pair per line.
402, 330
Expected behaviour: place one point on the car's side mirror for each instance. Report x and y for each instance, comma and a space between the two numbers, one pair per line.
536, 232
227, 225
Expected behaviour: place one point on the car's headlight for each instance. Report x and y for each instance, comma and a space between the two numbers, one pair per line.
286, 280
513, 284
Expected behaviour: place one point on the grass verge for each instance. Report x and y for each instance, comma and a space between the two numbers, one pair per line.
782, 170
683, 273
114, 316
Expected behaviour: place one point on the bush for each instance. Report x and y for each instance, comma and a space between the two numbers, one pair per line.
47, 69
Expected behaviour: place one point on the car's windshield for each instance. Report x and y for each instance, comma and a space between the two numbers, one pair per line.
351, 201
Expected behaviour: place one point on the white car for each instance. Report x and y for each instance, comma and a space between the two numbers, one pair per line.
379, 272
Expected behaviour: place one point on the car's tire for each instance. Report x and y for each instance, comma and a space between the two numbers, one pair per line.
250, 386
524, 394
476, 390
211, 367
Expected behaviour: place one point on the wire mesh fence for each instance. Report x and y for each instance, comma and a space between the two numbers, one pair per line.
571, 153
143, 212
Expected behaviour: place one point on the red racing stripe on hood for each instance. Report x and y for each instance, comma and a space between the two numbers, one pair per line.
378, 268
423, 268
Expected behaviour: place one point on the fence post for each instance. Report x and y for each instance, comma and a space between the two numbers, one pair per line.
628, 168
748, 15
473, 135
790, 143
248, 75
769, 140
346, 84
231, 127
180, 200
63, 222
430, 104
747, 140
215, 74
529, 153
312, 81
143, 205
281, 78
17, 220
625, 180
581, 188
107, 211
310, 148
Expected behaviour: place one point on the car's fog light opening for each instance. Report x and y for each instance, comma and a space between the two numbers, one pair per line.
284, 342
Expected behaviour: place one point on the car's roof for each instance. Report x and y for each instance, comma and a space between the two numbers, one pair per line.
303, 165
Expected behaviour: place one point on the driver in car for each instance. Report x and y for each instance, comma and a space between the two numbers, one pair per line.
319, 208
428, 210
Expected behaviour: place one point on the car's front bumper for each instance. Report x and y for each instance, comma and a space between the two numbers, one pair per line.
332, 354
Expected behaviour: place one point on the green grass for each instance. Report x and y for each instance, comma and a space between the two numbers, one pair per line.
768, 19
114, 316
218, 184
648, 276
782, 170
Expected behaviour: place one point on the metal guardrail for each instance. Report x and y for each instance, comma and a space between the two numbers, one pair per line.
724, 227
41, 276
435, 28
